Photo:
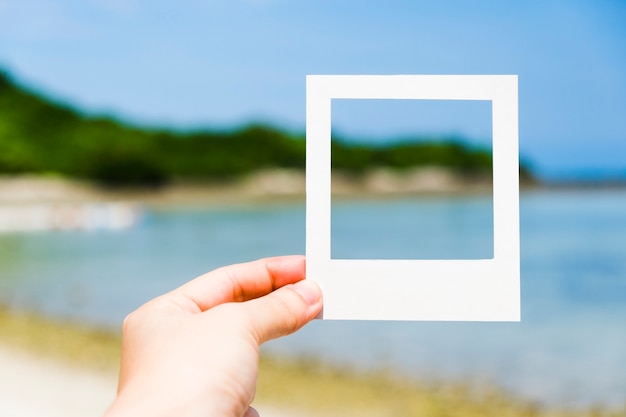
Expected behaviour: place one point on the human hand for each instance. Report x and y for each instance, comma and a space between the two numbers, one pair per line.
194, 351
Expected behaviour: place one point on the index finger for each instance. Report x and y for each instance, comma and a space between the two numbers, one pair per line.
241, 282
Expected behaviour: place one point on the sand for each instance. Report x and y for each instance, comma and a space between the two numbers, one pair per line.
37, 387
32, 386
271, 184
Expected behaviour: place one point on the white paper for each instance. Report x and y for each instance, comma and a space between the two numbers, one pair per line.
376, 289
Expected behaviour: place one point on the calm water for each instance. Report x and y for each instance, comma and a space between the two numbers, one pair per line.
570, 347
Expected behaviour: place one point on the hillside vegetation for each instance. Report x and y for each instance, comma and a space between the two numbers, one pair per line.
38, 135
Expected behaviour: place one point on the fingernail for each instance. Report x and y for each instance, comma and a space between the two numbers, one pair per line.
309, 290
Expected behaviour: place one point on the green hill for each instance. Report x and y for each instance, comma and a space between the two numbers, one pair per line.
38, 135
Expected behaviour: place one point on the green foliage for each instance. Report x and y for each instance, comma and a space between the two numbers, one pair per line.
450, 153
38, 135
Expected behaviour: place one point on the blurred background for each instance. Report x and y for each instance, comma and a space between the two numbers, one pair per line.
144, 143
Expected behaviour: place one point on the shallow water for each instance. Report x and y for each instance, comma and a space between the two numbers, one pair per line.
569, 348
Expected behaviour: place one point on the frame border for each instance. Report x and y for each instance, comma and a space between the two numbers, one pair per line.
458, 289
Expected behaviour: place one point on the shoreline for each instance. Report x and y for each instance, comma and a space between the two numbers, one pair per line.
71, 368
276, 185
268, 186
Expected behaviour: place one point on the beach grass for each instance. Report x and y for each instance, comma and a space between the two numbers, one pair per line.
293, 384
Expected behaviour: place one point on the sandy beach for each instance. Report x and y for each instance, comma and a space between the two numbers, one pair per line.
269, 184
33, 386
53, 369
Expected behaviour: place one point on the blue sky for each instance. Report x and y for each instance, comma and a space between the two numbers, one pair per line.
220, 63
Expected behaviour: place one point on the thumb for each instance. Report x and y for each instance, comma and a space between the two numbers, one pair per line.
284, 311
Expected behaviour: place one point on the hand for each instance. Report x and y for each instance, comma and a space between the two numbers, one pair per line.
194, 351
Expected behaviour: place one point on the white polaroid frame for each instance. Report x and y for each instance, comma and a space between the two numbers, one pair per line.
381, 289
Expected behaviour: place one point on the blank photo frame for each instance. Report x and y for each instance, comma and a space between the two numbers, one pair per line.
382, 289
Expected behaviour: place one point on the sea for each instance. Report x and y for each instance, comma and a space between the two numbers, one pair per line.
568, 350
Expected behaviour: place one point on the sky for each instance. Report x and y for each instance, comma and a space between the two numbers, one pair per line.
222, 63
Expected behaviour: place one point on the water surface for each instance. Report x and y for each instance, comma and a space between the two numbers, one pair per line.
569, 348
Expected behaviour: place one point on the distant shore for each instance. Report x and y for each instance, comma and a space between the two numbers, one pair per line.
267, 185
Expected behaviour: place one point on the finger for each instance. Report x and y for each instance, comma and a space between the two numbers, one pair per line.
284, 311
242, 282
251, 412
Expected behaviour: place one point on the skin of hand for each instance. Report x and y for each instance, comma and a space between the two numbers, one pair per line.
194, 351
